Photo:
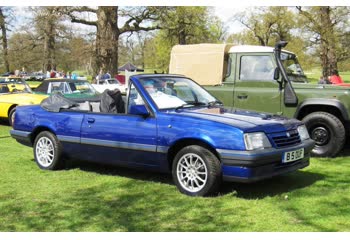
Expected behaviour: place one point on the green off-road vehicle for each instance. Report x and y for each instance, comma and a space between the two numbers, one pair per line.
267, 79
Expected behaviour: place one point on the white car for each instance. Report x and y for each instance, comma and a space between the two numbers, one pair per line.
110, 84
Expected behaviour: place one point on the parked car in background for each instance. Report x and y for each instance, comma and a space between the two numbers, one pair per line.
70, 88
7, 74
112, 83
14, 83
15, 92
169, 124
35, 76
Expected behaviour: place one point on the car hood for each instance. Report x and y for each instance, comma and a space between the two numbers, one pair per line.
22, 98
245, 120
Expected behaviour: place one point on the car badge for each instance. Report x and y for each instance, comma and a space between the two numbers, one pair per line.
288, 134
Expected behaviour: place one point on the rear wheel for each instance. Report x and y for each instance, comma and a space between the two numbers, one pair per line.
47, 151
196, 171
327, 131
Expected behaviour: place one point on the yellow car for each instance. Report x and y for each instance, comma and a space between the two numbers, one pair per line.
14, 92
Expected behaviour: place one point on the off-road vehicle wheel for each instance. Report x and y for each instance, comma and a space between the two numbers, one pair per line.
327, 131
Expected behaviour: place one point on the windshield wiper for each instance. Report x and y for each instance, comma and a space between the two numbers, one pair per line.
184, 105
191, 104
214, 103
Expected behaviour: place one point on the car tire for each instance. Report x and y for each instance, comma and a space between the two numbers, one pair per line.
327, 131
196, 171
48, 151
11, 116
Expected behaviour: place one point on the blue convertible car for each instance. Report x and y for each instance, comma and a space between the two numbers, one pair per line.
166, 123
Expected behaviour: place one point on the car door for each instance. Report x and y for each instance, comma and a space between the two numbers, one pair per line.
255, 88
121, 138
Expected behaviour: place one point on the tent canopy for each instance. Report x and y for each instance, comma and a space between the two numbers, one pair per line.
130, 67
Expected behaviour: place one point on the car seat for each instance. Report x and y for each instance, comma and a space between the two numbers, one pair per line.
112, 102
5, 89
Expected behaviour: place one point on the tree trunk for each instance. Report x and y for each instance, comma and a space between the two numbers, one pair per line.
4, 41
49, 44
328, 42
107, 39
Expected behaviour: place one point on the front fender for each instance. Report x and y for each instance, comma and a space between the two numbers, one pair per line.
315, 102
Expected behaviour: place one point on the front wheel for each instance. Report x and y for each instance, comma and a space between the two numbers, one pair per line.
196, 171
47, 151
327, 131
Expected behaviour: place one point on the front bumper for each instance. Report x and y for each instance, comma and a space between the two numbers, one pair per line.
252, 166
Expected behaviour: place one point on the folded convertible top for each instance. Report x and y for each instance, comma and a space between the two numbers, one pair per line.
56, 102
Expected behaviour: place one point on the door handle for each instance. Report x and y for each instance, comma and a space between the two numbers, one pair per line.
91, 120
242, 96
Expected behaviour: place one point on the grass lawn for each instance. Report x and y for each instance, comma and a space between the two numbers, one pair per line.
89, 197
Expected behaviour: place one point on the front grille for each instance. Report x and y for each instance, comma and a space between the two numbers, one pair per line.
286, 139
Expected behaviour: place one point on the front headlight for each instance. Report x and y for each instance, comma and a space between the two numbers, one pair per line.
303, 133
257, 140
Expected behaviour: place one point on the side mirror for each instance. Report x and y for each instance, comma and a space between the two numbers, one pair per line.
276, 74
139, 110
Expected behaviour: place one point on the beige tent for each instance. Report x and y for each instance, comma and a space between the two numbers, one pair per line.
204, 63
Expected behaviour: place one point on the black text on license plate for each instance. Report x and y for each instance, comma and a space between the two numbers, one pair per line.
293, 155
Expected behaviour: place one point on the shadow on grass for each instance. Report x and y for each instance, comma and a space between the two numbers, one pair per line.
258, 190
345, 152
2, 137
273, 186
4, 122
121, 171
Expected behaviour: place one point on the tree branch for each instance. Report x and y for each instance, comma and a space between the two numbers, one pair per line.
82, 21
70, 12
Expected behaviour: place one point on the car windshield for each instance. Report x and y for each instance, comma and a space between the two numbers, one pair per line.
14, 85
176, 92
293, 68
82, 86
113, 81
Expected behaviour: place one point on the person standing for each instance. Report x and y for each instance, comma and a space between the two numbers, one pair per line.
52, 74
335, 78
99, 77
74, 76
107, 75
323, 80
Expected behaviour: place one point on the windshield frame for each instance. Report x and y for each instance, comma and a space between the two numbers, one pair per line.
181, 84
293, 68
11, 82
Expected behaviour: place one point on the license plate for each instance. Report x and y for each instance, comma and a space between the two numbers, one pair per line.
293, 155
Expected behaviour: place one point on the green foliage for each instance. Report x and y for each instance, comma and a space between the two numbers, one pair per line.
157, 54
188, 25
297, 45
70, 54
324, 29
265, 25
24, 52
95, 198
74, 53
182, 25
317, 35
245, 37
